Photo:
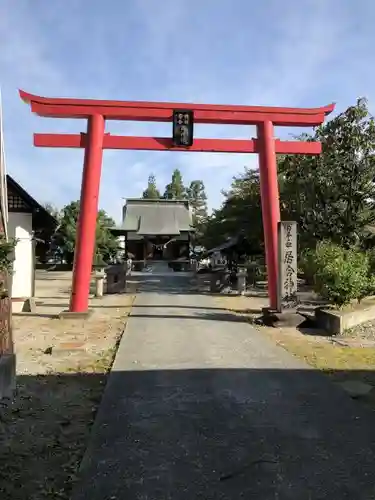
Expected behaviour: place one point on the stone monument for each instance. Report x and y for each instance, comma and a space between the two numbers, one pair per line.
286, 314
287, 299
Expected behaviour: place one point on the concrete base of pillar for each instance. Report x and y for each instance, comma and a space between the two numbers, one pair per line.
75, 315
284, 319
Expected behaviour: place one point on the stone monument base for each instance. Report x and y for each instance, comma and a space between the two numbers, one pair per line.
285, 319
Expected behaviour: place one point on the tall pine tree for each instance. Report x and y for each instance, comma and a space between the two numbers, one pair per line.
151, 192
198, 201
175, 190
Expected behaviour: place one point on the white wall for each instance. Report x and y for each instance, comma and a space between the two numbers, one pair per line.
20, 227
121, 246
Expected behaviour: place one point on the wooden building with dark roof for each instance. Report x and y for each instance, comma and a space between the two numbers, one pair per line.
157, 229
32, 226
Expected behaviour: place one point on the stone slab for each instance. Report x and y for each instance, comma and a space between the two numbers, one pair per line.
75, 315
286, 319
335, 322
356, 388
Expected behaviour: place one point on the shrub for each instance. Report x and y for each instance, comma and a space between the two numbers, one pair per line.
371, 257
341, 275
6, 262
307, 265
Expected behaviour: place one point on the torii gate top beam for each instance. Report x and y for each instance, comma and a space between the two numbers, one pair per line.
162, 111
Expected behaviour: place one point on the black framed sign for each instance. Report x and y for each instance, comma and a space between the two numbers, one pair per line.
183, 127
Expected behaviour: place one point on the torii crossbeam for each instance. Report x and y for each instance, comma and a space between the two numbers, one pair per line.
96, 112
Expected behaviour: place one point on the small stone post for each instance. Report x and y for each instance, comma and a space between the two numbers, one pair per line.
194, 265
214, 283
99, 283
128, 267
241, 280
128, 264
194, 268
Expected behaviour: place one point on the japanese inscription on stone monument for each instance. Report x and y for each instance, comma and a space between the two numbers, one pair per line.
287, 286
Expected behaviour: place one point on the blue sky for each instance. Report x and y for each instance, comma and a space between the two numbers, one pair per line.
272, 52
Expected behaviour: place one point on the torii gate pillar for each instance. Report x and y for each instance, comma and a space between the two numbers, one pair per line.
95, 140
85, 242
269, 189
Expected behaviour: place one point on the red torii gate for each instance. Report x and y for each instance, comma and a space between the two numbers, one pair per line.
96, 112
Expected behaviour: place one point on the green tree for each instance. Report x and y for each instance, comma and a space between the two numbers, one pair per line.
52, 209
332, 195
197, 197
239, 213
175, 190
106, 245
151, 192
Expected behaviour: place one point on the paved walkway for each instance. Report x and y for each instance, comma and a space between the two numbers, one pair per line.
201, 406
158, 267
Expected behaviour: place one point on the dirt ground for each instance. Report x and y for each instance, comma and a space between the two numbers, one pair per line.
62, 368
342, 361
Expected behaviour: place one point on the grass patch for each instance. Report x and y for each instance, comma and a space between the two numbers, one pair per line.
338, 362
324, 356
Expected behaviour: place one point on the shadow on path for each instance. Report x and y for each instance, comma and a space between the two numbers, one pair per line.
216, 316
229, 434
186, 434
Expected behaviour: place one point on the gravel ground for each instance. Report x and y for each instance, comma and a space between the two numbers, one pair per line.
364, 331
62, 369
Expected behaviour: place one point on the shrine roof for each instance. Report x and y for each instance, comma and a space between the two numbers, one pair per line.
157, 217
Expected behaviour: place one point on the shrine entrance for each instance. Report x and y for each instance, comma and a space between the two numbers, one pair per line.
183, 116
